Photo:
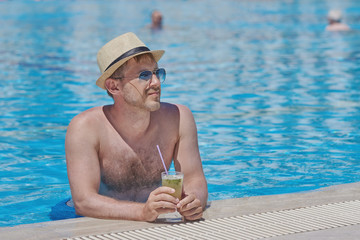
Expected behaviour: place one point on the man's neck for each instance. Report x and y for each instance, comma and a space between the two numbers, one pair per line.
130, 122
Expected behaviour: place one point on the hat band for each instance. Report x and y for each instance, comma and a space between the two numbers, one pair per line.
129, 53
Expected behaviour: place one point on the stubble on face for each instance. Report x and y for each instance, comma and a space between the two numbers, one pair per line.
137, 93
133, 97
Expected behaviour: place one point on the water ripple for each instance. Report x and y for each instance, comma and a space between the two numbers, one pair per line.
275, 97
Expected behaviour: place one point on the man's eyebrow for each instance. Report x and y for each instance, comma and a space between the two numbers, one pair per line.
147, 69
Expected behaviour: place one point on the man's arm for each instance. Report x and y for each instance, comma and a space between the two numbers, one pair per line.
83, 166
187, 160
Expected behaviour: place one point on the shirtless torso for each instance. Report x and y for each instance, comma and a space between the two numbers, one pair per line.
130, 170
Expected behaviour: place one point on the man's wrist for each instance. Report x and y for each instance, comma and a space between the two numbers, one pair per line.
140, 212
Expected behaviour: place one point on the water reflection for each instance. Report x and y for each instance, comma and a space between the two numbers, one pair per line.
275, 97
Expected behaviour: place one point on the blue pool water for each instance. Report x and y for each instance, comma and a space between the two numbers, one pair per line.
275, 97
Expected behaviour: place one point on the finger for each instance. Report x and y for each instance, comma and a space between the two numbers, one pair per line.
162, 193
193, 204
166, 198
186, 200
165, 204
191, 212
194, 217
165, 210
163, 189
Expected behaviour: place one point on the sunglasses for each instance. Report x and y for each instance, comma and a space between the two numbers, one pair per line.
160, 73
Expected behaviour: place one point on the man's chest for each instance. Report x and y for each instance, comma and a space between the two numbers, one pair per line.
125, 166
126, 163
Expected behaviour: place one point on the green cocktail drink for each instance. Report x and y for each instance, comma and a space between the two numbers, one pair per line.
173, 180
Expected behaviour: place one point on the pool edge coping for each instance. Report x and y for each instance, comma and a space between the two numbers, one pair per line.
217, 209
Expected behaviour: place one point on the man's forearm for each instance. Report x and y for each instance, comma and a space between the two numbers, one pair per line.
98, 206
203, 196
199, 188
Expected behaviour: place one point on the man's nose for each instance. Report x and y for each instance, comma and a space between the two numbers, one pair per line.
154, 80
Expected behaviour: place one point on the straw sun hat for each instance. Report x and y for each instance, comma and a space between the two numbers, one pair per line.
116, 52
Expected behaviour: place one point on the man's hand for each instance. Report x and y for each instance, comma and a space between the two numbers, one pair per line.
190, 207
160, 201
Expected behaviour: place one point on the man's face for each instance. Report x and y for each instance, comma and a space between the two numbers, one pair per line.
140, 93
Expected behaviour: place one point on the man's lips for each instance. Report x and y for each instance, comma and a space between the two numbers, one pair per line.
154, 93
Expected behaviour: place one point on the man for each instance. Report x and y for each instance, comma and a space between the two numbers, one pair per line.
334, 18
114, 167
156, 20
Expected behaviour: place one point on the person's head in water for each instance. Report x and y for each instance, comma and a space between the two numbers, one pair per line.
335, 21
156, 20
334, 16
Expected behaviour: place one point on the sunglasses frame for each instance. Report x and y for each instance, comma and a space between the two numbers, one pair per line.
156, 72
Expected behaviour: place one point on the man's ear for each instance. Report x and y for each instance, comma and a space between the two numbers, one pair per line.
112, 85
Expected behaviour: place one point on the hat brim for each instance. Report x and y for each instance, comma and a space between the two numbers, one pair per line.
101, 80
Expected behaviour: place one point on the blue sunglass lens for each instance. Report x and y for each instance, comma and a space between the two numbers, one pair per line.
160, 74
146, 75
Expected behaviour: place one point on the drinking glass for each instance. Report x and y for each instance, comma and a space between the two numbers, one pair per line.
172, 179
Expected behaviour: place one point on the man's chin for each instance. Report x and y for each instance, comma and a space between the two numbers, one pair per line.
154, 106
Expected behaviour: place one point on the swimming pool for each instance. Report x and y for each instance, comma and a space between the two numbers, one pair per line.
276, 99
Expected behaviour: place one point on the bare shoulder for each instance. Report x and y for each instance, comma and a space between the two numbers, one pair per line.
180, 116
83, 130
169, 109
87, 115
184, 111
87, 119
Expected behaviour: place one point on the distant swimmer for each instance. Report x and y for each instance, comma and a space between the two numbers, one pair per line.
334, 18
156, 20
